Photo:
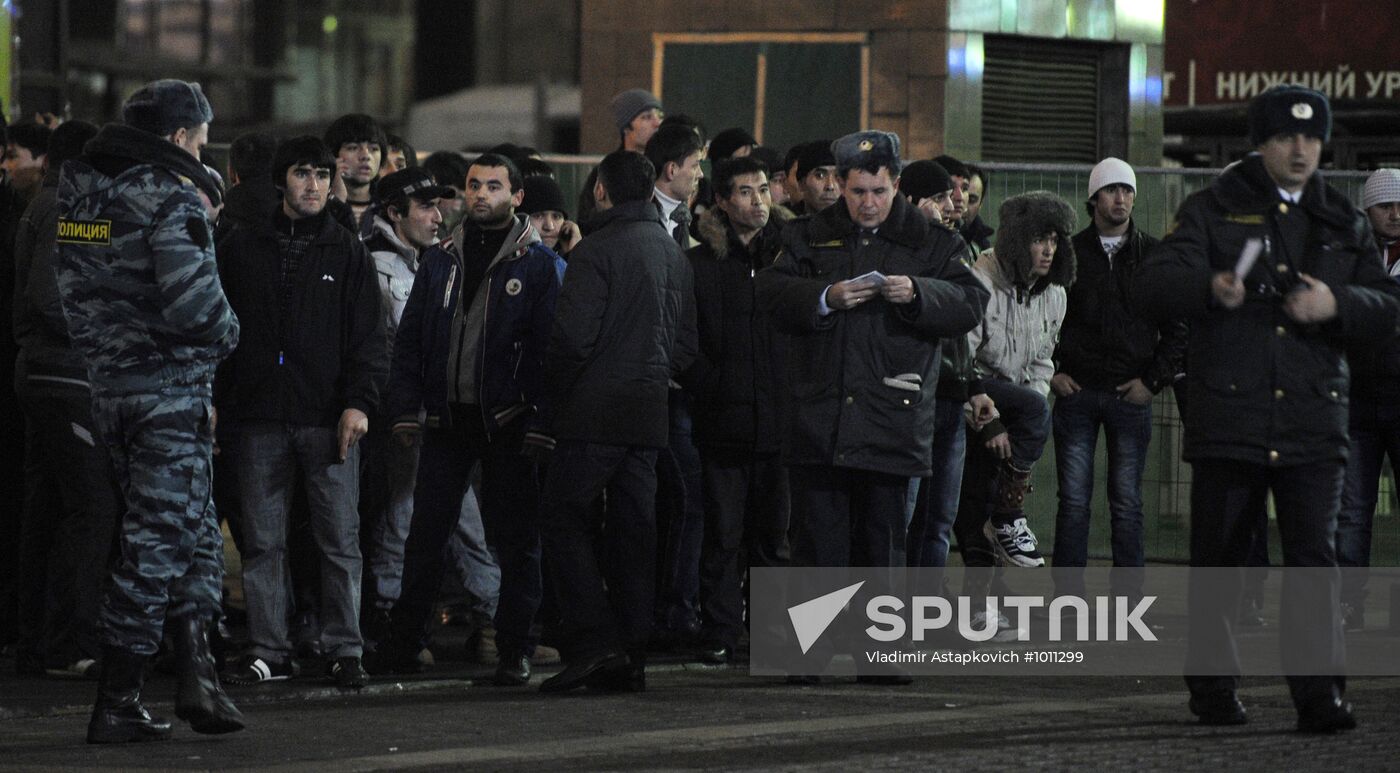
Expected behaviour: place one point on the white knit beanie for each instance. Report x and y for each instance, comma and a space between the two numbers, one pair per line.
1111, 171
1382, 187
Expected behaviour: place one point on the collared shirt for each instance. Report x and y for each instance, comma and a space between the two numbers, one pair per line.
666, 203
1291, 198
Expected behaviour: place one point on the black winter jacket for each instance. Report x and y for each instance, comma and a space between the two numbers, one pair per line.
624, 326
734, 382
330, 356
1105, 341
1375, 369
845, 412
1264, 389
46, 350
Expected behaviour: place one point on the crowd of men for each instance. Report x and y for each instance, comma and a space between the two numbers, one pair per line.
397, 381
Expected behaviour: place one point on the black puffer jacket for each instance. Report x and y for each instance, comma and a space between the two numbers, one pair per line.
845, 412
1263, 388
734, 382
1105, 341
624, 326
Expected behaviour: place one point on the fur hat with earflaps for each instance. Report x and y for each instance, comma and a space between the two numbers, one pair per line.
1022, 219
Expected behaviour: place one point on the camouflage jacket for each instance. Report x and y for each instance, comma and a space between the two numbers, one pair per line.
136, 268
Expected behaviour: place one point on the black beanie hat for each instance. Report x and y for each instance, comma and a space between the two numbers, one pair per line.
724, 144
923, 180
1289, 110
542, 194
814, 154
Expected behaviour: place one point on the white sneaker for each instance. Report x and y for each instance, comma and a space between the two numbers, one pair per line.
1014, 544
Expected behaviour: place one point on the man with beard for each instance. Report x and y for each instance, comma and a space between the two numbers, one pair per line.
469, 359
1109, 364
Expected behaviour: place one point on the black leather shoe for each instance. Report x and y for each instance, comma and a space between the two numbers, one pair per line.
1326, 716
510, 672
119, 716
715, 654
1218, 708
582, 672
631, 677
199, 699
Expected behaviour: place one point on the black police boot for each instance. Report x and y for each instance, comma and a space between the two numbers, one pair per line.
199, 699
119, 716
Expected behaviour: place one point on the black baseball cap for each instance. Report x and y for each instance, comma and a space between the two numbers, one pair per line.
415, 182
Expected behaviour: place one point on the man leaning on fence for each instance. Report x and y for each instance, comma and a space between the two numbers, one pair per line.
1268, 383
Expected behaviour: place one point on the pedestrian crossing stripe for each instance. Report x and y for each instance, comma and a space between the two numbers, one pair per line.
93, 232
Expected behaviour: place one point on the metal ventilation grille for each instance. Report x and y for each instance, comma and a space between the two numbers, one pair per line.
1040, 101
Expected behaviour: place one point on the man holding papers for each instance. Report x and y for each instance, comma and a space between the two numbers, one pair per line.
866, 288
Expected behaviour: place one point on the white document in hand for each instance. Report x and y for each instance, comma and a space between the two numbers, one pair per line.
1248, 256
872, 277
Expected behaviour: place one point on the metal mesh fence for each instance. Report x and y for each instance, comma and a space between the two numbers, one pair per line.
1166, 484
1167, 481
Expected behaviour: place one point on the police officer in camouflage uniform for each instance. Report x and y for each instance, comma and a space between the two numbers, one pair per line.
144, 305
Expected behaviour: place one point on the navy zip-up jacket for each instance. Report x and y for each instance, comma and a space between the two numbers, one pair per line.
523, 284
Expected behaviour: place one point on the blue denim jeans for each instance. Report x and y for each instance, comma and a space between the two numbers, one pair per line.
1375, 434
1026, 416
936, 504
1128, 428
274, 459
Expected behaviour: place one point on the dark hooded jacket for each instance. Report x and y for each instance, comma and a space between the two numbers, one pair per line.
1263, 388
735, 380
1105, 340
623, 328
862, 382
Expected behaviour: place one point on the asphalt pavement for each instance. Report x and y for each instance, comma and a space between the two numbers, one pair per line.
695, 716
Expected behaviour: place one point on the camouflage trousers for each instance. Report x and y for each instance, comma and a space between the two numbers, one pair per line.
171, 548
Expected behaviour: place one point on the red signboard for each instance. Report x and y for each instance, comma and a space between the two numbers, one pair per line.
1227, 51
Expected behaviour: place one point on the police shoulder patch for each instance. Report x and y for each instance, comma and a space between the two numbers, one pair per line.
92, 232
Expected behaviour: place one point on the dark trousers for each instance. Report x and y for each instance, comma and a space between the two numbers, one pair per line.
746, 522
72, 507
1375, 434
1224, 526
1026, 416
847, 517
604, 574
680, 523
510, 515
